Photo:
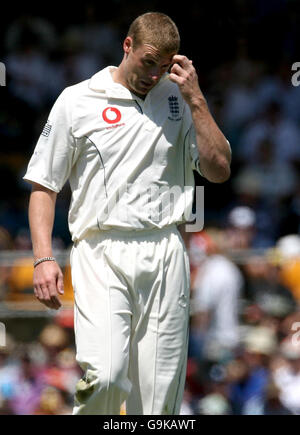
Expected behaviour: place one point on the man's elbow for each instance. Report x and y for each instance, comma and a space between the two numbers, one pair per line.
225, 173
221, 173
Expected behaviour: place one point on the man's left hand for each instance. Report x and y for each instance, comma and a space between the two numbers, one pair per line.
184, 74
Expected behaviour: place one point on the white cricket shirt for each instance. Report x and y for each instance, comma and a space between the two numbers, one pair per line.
129, 161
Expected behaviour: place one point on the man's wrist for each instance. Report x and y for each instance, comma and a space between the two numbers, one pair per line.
42, 260
42, 252
198, 104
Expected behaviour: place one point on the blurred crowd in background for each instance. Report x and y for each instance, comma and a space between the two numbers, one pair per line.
244, 351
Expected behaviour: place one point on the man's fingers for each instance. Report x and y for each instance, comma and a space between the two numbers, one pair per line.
40, 294
177, 69
56, 304
37, 291
183, 61
176, 78
48, 284
52, 289
182, 70
49, 297
60, 284
45, 293
43, 299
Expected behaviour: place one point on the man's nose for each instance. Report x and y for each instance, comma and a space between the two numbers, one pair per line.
155, 74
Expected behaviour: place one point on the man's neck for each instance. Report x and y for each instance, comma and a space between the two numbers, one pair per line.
118, 78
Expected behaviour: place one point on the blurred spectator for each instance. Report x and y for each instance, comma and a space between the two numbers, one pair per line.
241, 228
101, 36
39, 377
21, 272
216, 399
265, 287
52, 402
241, 100
287, 375
273, 404
195, 382
26, 389
217, 287
249, 375
214, 404
288, 250
251, 223
39, 28
8, 375
283, 132
277, 86
27, 62
273, 179
54, 338
62, 373
77, 64
20, 281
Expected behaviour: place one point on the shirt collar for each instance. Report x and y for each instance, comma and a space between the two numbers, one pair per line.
103, 82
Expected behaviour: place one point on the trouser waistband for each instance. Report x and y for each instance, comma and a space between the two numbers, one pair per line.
114, 233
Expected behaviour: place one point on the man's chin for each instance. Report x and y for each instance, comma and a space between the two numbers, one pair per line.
144, 88
140, 92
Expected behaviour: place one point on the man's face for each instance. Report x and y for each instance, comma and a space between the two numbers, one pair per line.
144, 67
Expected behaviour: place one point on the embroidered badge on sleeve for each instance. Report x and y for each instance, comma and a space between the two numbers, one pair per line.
47, 129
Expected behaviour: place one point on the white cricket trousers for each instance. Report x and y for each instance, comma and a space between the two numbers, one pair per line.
131, 321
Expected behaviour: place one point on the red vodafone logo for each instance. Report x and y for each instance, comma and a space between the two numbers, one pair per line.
111, 115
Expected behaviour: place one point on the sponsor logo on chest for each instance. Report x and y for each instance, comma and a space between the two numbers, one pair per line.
112, 116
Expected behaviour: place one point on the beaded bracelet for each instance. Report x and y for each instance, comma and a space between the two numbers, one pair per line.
41, 260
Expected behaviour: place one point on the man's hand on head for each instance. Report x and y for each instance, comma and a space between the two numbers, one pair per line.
184, 75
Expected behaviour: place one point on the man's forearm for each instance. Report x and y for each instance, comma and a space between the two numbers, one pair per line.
41, 219
214, 150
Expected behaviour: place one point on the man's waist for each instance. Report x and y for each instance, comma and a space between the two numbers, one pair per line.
128, 233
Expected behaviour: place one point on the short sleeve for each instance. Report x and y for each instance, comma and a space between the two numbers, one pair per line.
193, 149
190, 141
53, 157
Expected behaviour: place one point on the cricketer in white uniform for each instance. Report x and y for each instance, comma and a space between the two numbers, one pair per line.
127, 140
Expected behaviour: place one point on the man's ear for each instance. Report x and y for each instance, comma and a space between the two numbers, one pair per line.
127, 44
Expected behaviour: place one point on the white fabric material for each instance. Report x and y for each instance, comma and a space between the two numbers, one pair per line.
131, 285
151, 147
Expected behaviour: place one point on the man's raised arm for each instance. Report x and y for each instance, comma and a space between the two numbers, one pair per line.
214, 150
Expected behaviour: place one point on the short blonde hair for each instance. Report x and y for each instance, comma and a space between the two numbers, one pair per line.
157, 29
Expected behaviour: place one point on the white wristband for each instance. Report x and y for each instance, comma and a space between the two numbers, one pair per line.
41, 260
